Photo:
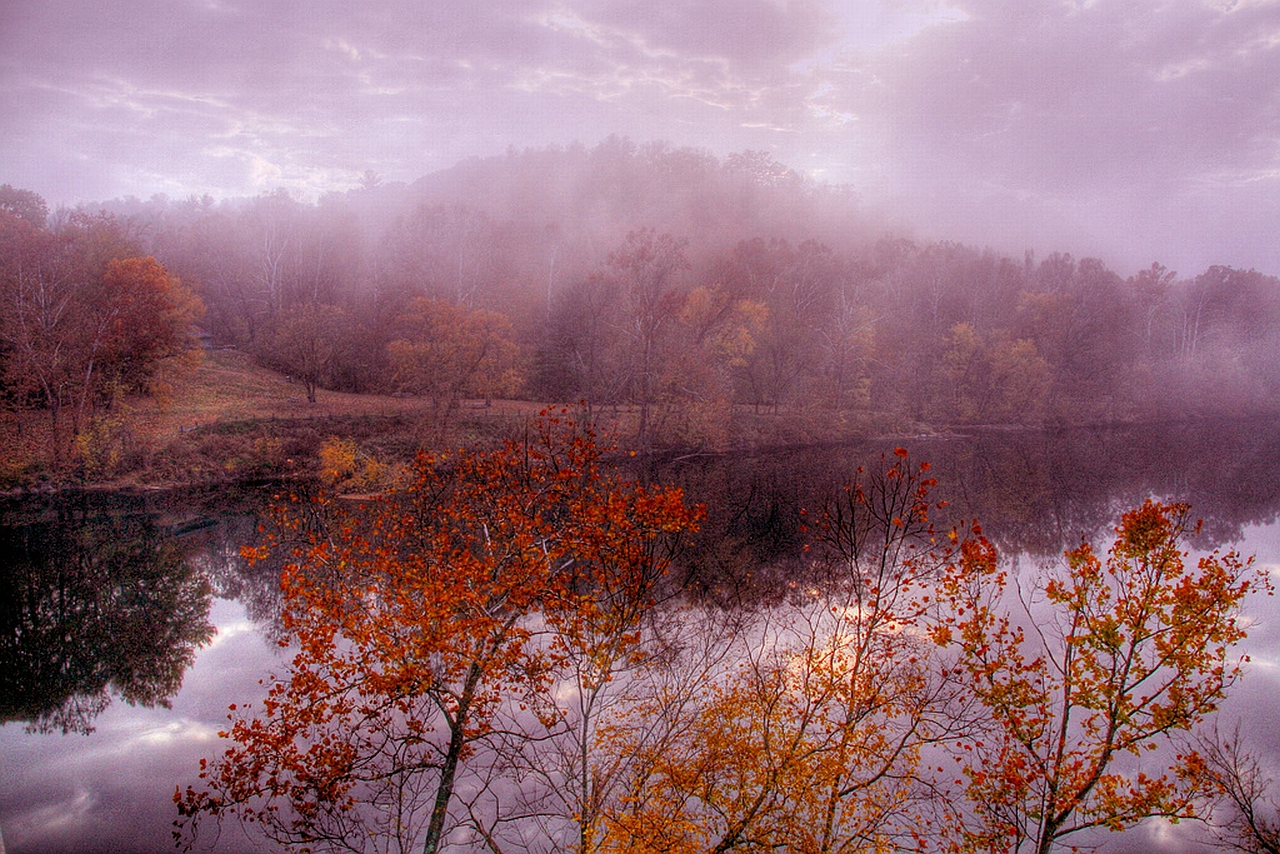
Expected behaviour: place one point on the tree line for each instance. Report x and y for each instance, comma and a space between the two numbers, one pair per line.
684, 287
499, 658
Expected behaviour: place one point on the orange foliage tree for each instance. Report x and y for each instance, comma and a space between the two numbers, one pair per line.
85, 319
608, 641
423, 624
147, 316
1113, 658
480, 660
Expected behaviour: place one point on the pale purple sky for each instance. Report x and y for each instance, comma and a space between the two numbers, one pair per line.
1134, 130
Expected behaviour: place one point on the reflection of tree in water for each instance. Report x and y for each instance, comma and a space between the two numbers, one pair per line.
1034, 492
96, 601
1043, 492
93, 602
257, 587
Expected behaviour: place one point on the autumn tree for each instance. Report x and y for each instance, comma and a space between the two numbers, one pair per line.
645, 268
24, 204
84, 318
609, 631
992, 378
798, 284
811, 738
419, 628
306, 344
150, 315
848, 340
717, 333
1113, 658
580, 356
1151, 288
35, 317
447, 352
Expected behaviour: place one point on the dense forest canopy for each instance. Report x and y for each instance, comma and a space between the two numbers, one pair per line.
662, 278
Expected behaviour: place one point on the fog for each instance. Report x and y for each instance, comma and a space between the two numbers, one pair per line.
1131, 132
693, 287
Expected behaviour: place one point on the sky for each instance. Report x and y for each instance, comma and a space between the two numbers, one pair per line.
1130, 130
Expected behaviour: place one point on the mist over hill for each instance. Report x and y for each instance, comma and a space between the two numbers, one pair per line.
692, 288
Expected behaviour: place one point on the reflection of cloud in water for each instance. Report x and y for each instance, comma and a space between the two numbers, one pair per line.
1162, 834
231, 618
174, 732
92, 793
51, 820
230, 631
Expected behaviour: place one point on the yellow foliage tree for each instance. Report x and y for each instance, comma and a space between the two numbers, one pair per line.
813, 741
449, 352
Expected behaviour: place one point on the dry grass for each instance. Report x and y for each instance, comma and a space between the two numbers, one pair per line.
228, 387
225, 417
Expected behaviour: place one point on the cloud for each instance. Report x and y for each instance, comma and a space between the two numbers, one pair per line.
1091, 117
1061, 97
1061, 125
751, 36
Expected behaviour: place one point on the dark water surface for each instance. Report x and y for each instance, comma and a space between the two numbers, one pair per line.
128, 623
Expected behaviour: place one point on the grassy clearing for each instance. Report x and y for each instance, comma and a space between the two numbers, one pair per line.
227, 418
233, 419
229, 387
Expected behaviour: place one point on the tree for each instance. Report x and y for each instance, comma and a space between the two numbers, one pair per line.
24, 204
645, 268
1114, 659
992, 378
84, 317
306, 343
580, 357
149, 316
448, 351
1151, 288
813, 740
1245, 813
848, 341
799, 286
717, 334
612, 635
417, 621
35, 318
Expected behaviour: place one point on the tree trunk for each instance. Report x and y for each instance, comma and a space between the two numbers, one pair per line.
448, 772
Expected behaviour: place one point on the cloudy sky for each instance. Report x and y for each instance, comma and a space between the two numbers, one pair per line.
1135, 130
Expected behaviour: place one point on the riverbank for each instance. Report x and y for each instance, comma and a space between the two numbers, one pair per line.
231, 420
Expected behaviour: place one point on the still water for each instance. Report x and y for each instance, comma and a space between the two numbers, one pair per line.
128, 623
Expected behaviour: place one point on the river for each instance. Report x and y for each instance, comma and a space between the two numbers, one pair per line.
130, 621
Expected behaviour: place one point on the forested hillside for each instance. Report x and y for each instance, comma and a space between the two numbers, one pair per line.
688, 288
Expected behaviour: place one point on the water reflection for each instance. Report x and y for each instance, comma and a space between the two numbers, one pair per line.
95, 601
1035, 493
108, 597
1040, 493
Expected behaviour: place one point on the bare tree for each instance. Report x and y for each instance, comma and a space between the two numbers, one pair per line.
1246, 815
